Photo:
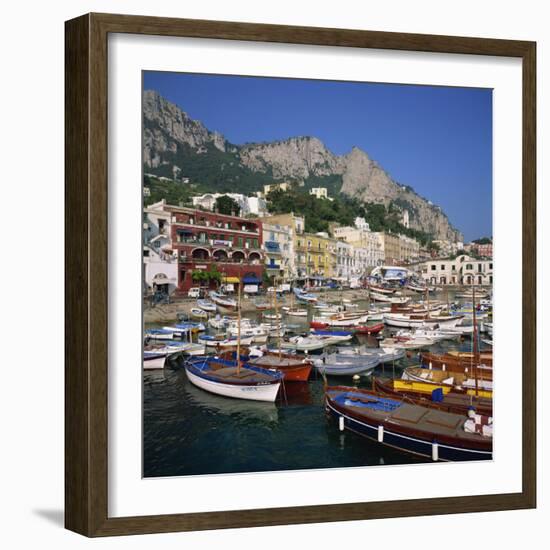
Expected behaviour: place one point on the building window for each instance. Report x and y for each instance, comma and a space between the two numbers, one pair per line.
433, 267
442, 267
453, 267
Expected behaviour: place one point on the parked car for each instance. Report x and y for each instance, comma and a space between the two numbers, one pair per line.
194, 292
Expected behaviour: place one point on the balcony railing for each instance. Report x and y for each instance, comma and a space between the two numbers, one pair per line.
223, 227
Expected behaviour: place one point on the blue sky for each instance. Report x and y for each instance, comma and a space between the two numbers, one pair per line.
438, 140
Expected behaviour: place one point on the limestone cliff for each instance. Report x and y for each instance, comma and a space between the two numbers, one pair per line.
176, 144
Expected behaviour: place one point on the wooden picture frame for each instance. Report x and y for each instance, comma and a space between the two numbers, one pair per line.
86, 280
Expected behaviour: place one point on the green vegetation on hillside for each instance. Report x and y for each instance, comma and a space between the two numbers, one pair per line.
320, 213
174, 192
483, 240
216, 170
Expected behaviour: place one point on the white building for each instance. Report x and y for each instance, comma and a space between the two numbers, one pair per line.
160, 262
284, 186
362, 237
361, 262
247, 205
320, 193
279, 250
463, 270
345, 260
409, 249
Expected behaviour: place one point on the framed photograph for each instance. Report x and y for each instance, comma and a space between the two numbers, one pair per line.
281, 248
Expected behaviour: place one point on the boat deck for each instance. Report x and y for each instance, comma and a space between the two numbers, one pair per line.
403, 415
243, 374
273, 361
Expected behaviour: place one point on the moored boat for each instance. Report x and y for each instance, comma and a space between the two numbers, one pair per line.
198, 313
462, 382
223, 301
341, 365
221, 341
206, 305
441, 398
408, 427
153, 360
231, 379
294, 312
369, 329
339, 335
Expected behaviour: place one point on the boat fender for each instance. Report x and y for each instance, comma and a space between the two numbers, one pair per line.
341, 423
471, 412
430, 365
380, 434
356, 377
435, 451
444, 367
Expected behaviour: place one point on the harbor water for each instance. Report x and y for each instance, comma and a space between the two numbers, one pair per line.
188, 431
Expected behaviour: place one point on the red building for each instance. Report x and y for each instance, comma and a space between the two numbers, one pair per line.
483, 250
203, 239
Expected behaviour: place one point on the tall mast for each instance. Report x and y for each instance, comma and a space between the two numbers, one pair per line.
239, 325
428, 301
277, 318
476, 343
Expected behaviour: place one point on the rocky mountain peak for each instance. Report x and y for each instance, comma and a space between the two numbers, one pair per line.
174, 142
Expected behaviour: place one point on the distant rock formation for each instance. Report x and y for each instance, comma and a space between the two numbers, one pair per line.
168, 130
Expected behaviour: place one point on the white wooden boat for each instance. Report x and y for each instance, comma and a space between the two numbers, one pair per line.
199, 313
220, 322
153, 360
434, 335
230, 379
385, 355
385, 298
294, 312
308, 343
222, 341
182, 330
342, 366
159, 334
338, 335
407, 343
272, 316
207, 305
420, 321
223, 301
304, 296
259, 335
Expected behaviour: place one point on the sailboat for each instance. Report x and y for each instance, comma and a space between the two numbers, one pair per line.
233, 378
449, 387
293, 368
294, 311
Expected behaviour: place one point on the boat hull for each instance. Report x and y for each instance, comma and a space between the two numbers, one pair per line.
267, 392
156, 362
345, 368
402, 442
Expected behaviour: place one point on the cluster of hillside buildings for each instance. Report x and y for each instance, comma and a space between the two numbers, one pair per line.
179, 241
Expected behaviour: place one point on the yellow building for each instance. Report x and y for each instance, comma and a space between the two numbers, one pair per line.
321, 254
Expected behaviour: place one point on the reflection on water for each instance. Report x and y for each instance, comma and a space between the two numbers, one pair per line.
188, 431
